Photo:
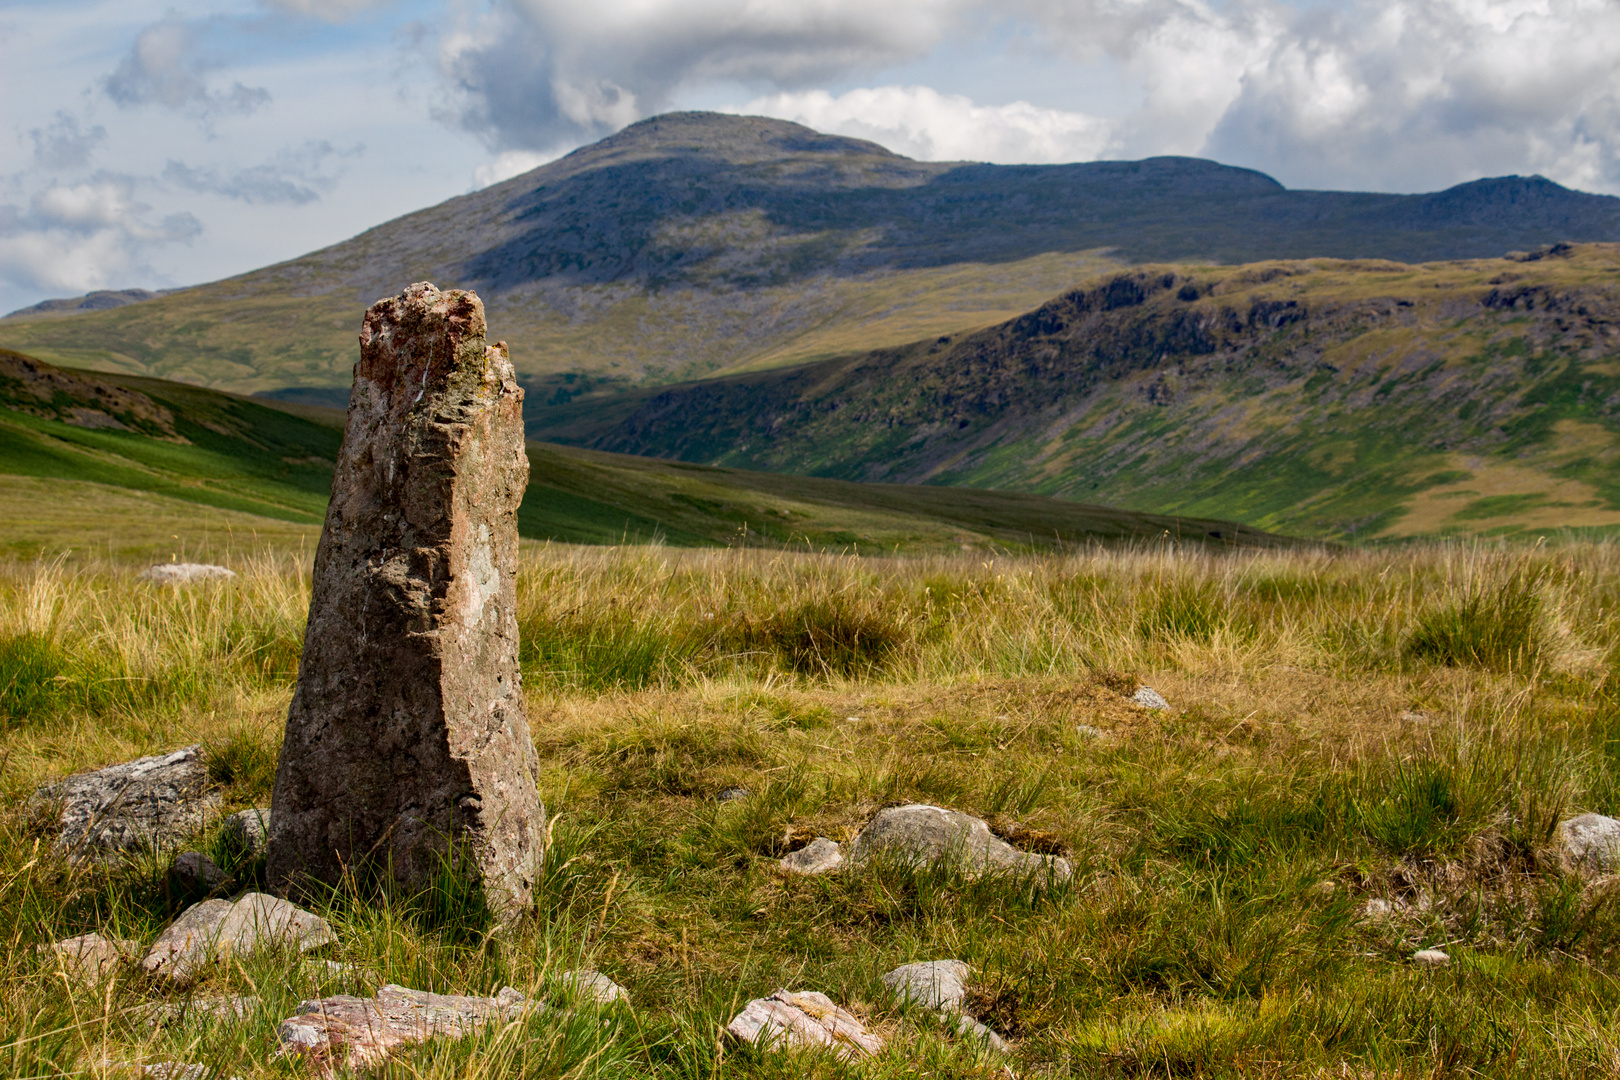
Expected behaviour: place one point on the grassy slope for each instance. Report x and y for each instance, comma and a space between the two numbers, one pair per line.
1347, 730
1321, 398
695, 244
244, 462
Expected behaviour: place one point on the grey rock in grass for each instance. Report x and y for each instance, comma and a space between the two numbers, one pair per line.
89, 959
1149, 698
1431, 958
407, 749
795, 1020
347, 1032
920, 834
941, 985
220, 928
819, 856
969, 1028
187, 942
150, 802
1591, 842
184, 573
246, 830
194, 871
182, 1070
732, 794
594, 986
1086, 731
933, 984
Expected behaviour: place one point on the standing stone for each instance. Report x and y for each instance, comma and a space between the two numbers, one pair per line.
406, 743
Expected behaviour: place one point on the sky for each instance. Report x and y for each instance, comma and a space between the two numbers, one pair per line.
158, 143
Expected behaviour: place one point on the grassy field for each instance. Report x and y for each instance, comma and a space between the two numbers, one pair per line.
1346, 727
211, 474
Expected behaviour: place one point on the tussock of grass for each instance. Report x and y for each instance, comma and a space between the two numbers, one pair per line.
1224, 852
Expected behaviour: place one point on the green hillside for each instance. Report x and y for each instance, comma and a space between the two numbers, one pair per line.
696, 244
1322, 397
137, 467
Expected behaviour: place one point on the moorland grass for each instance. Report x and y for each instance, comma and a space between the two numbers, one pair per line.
1349, 727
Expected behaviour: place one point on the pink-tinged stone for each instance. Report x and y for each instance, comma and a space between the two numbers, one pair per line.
407, 746
806, 1019
347, 1032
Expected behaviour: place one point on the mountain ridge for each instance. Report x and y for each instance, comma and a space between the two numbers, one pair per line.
691, 245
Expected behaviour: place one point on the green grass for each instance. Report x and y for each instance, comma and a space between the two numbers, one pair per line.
246, 468
1226, 852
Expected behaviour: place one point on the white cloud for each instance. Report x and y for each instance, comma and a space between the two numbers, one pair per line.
508, 164
63, 145
75, 237
531, 74
922, 123
165, 67
325, 10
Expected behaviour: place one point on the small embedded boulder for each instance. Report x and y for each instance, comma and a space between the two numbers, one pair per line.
150, 802
594, 986
1431, 958
245, 831
809, 1019
195, 872
819, 856
89, 959
920, 834
934, 984
218, 928
184, 573
1591, 842
355, 1033
1148, 698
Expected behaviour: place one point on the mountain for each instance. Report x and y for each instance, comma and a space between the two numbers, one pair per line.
696, 244
142, 466
1330, 398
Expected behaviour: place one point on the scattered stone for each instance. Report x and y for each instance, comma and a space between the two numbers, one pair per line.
1431, 958
1149, 698
179, 1070
969, 1028
935, 984
595, 986
184, 573
732, 794
941, 985
89, 958
819, 856
149, 802
185, 944
246, 830
195, 872
1409, 716
406, 743
920, 834
356, 1033
1591, 842
220, 927
790, 1020
1086, 731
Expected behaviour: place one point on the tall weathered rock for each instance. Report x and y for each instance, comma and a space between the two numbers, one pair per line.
406, 740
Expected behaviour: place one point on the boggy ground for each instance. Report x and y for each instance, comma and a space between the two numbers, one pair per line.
1404, 726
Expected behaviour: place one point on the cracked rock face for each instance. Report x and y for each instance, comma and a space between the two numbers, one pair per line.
344, 1031
149, 802
406, 742
788, 1019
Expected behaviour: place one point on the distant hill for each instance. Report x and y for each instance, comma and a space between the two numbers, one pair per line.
139, 448
100, 300
1343, 399
696, 244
